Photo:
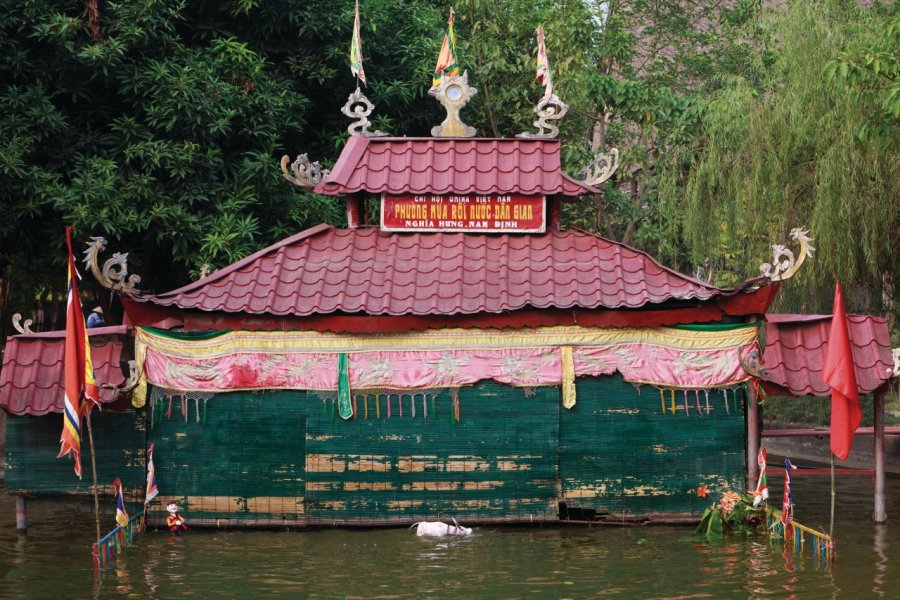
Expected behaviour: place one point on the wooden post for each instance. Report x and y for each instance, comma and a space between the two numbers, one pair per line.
354, 218
21, 514
880, 514
753, 431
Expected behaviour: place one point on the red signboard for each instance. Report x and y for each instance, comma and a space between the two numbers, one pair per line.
515, 213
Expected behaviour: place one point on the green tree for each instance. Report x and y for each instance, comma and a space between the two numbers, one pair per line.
813, 143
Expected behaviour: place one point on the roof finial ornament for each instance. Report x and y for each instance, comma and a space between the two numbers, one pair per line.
114, 274
359, 107
785, 265
548, 109
601, 168
453, 93
24, 328
302, 173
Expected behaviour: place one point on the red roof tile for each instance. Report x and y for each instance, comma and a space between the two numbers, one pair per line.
450, 166
32, 377
325, 270
795, 353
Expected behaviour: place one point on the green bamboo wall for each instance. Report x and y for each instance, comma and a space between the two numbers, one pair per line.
286, 456
621, 455
244, 459
32, 444
498, 461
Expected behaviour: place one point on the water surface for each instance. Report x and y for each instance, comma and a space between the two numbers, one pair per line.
53, 560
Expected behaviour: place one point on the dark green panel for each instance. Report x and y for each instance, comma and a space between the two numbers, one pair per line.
32, 444
620, 454
498, 461
244, 458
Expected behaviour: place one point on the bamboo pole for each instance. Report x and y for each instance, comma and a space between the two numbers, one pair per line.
880, 514
753, 435
94, 471
831, 525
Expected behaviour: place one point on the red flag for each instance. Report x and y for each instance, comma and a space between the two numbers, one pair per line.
79, 372
839, 373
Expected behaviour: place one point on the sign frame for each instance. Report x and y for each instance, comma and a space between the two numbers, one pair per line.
541, 229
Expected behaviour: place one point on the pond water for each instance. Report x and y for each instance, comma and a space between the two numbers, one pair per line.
53, 560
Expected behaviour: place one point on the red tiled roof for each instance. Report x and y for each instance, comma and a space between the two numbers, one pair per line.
32, 377
450, 166
795, 353
324, 270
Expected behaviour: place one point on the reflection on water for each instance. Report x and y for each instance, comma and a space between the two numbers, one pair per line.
53, 560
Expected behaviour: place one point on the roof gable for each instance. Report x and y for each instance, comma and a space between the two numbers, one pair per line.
795, 353
32, 379
450, 166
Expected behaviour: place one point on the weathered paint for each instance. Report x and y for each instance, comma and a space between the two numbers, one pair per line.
499, 456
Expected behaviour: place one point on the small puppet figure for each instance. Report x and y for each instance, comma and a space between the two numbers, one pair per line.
175, 521
95, 319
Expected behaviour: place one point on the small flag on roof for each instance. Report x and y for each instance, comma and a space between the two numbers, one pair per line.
543, 64
356, 59
446, 62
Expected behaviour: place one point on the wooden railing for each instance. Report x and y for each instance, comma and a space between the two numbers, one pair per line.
821, 544
108, 548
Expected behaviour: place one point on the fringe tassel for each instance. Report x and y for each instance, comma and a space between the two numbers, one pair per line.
673, 400
400, 404
412, 403
388, 396
662, 401
366, 400
425, 406
697, 399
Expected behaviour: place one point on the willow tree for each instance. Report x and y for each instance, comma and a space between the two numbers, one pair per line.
799, 148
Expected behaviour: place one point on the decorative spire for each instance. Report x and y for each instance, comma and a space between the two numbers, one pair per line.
359, 107
453, 93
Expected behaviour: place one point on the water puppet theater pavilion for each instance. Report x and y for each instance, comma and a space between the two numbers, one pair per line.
464, 357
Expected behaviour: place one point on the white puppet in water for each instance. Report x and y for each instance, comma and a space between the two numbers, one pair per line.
440, 529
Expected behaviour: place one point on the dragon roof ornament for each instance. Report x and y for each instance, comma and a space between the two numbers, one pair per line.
18, 325
113, 275
784, 265
302, 172
601, 168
